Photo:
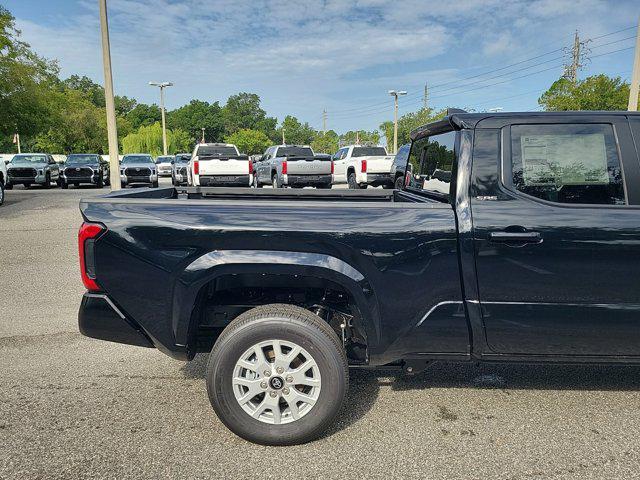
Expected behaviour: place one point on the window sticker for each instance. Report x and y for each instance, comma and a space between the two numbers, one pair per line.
549, 160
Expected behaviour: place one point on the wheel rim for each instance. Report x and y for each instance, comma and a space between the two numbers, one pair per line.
276, 382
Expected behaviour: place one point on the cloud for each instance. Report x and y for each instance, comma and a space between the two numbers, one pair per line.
303, 56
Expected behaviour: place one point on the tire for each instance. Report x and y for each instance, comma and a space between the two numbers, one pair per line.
274, 181
155, 184
324, 187
100, 181
27, 185
292, 326
399, 183
256, 183
1, 193
351, 180
8, 186
64, 185
123, 185
107, 182
47, 181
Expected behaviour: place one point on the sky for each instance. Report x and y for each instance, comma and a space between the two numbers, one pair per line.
303, 57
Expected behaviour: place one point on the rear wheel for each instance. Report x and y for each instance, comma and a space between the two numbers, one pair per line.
277, 375
8, 186
155, 184
64, 185
399, 183
351, 181
47, 180
100, 181
1, 193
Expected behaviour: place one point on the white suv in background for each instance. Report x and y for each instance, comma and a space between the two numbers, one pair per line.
219, 165
360, 166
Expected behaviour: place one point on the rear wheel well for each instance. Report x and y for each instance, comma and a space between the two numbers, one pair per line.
350, 170
224, 298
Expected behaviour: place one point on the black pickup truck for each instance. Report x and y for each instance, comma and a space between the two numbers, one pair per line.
515, 238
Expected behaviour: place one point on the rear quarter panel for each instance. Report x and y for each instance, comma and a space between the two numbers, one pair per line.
406, 252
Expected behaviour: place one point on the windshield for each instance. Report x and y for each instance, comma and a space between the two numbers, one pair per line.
369, 152
26, 158
183, 158
294, 152
166, 159
137, 159
82, 159
221, 150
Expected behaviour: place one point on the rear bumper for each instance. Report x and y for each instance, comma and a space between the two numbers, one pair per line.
376, 179
100, 318
224, 180
306, 180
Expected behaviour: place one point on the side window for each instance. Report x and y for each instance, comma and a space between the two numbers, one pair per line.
344, 154
336, 156
565, 163
431, 161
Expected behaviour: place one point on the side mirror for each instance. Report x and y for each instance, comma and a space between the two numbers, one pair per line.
7, 162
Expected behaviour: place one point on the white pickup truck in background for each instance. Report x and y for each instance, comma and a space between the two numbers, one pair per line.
360, 166
219, 165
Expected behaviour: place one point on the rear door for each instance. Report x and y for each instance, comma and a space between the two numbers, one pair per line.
556, 221
340, 165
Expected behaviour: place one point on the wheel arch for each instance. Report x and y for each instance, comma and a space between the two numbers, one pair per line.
259, 265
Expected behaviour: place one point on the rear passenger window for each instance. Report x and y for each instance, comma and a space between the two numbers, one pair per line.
567, 163
431, 161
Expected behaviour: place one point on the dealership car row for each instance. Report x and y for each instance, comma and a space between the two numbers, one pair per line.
211, 164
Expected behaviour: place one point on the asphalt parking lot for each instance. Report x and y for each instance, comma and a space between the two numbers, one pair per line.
72, 407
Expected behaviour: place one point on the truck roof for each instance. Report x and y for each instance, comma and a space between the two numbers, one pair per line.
460, 119
215, 145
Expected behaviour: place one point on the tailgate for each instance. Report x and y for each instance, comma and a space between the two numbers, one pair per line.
378, 164
224, 167
308, 167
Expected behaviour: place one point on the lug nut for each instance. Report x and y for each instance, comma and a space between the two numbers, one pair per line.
263, 385
267, 373
289, 379
285, 390
279, 369
273, 394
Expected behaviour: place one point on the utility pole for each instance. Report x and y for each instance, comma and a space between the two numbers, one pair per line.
112, 129
425, 98
324, 121
162, 86
635, 76
203, 129
16, 140
578, 54
395, 94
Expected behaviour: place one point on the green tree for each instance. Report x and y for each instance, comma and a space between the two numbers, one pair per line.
148, 139
95, 93
144, 115
197, 115
598, 92
365, 138
295, 132
78, 126
249, 141
243, 111
25, 82
326, 142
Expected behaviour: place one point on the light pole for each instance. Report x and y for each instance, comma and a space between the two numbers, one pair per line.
395, 94
162, 86
112, 130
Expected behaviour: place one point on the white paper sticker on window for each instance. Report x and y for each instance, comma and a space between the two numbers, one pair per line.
564, 160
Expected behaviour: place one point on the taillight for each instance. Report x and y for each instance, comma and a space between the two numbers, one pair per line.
87, 236
250, 167
284, 167
407, 178
332, 167
196, 167
363, 166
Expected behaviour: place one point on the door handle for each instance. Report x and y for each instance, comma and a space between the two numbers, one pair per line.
516, 238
